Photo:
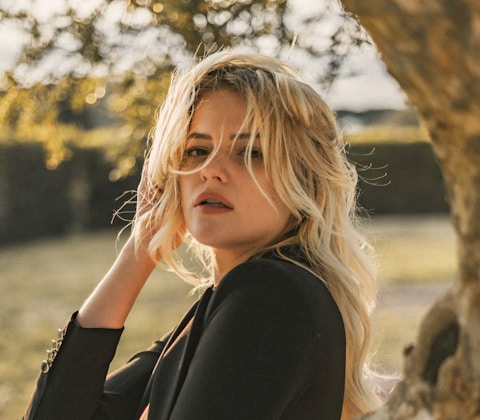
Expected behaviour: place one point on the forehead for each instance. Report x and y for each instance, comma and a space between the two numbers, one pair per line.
219, 109
221, 97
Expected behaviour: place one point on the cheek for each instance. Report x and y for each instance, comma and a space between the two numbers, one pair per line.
269, 190
280, 211
183, 186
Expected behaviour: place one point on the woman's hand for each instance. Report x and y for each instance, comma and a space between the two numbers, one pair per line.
110, 303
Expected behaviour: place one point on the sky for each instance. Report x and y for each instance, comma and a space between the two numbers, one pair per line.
371, 86
365, 84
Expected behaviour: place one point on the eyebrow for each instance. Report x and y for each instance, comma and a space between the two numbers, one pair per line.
202, 136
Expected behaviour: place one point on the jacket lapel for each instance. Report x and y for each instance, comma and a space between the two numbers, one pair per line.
172, 368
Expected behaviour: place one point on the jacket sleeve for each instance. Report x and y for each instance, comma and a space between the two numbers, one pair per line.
72, 384
72, 379
262, 348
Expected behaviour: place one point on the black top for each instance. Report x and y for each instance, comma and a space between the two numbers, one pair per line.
267, 343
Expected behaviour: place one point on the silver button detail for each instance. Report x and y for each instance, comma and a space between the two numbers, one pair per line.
52, 353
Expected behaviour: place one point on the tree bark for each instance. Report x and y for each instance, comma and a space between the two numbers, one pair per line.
432, 48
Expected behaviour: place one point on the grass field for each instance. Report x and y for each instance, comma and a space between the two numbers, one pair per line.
43, 282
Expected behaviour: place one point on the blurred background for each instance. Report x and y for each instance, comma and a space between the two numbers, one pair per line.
80, 82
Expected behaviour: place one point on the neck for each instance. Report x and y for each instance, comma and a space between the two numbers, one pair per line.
224, 261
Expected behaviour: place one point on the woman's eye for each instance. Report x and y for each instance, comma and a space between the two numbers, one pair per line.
196, 152
254, 153
195, 155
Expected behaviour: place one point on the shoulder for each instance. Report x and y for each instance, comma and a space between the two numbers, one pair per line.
268, 271
276, 285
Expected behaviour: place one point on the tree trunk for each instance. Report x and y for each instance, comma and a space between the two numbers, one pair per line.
432, 48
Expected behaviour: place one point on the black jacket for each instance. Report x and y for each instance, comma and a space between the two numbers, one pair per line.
267, 343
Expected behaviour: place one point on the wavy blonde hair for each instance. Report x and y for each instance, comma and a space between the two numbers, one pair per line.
304, 158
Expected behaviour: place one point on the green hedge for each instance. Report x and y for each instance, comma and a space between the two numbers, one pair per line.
399, 178
36, 202
78, 196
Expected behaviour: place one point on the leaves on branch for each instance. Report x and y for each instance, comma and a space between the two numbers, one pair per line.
114, 58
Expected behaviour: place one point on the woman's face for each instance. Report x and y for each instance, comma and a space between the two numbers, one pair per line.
222, 206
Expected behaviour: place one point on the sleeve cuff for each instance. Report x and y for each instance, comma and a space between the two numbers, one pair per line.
77, 333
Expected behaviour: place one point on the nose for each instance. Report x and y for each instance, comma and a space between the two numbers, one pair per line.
215, 170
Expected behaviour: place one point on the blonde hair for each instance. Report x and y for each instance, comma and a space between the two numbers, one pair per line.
304, 158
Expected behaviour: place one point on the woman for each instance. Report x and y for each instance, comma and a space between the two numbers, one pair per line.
247, 166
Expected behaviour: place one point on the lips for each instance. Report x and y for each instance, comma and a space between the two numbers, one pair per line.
213, 200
